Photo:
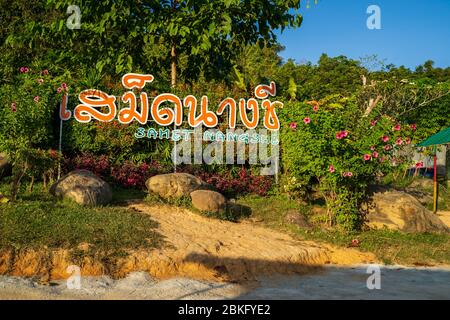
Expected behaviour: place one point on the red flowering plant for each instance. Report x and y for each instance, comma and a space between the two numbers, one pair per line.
233, 182
27, 105
130, 175
340, 151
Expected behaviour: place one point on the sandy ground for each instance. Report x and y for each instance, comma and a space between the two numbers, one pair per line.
445, 217
237, 251
334, 282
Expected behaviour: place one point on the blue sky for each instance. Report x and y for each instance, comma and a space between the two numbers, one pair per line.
412, 31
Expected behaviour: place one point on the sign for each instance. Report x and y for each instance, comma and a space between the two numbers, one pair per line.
92, 100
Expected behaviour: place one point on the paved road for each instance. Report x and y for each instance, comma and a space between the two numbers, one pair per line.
332, 283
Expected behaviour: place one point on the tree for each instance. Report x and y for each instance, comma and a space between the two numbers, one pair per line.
210, 33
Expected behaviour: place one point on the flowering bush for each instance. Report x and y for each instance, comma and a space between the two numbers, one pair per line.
27, 105
99, 165
341, 151
242, 182
126, 174
132, 175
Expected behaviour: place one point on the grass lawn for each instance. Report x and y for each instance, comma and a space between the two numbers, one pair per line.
37, 220
391, 247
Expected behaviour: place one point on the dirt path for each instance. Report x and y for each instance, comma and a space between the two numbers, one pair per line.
205, 248
445, 217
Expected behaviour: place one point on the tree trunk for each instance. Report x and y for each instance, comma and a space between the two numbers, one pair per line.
31, 186
173, 54
173, 66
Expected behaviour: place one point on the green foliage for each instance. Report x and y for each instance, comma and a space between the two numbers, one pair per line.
36, 220
210, 33
26, 122
332, 145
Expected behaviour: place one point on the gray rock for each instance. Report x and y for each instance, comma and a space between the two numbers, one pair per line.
295, 217
174, 185
83, 187
207, 200
397, 210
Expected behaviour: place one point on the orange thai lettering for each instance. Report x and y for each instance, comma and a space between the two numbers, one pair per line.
166, 116
90, 101
251, 104
64, 113
136, 81
263, 91
271, 120
231, 104
127, 115
206, 117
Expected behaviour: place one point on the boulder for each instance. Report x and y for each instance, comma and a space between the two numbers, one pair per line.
174, 185
207, 200
295, 217
5, 166
83, 187
400, 211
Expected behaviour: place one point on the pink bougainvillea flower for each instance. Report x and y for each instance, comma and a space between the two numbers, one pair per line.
307, 120
385, 138
355, 243
22, 69
399, 141
293, 125
316, 108
45, 72
367, 157
373, 123
372, 148
64, 85
331, 169
408, 140
13, 107
59, 90
413, 127
375, 154
342, 134
36, 99
387, 147
347, 174
382, 159
419, 164
40, 81
397, 127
